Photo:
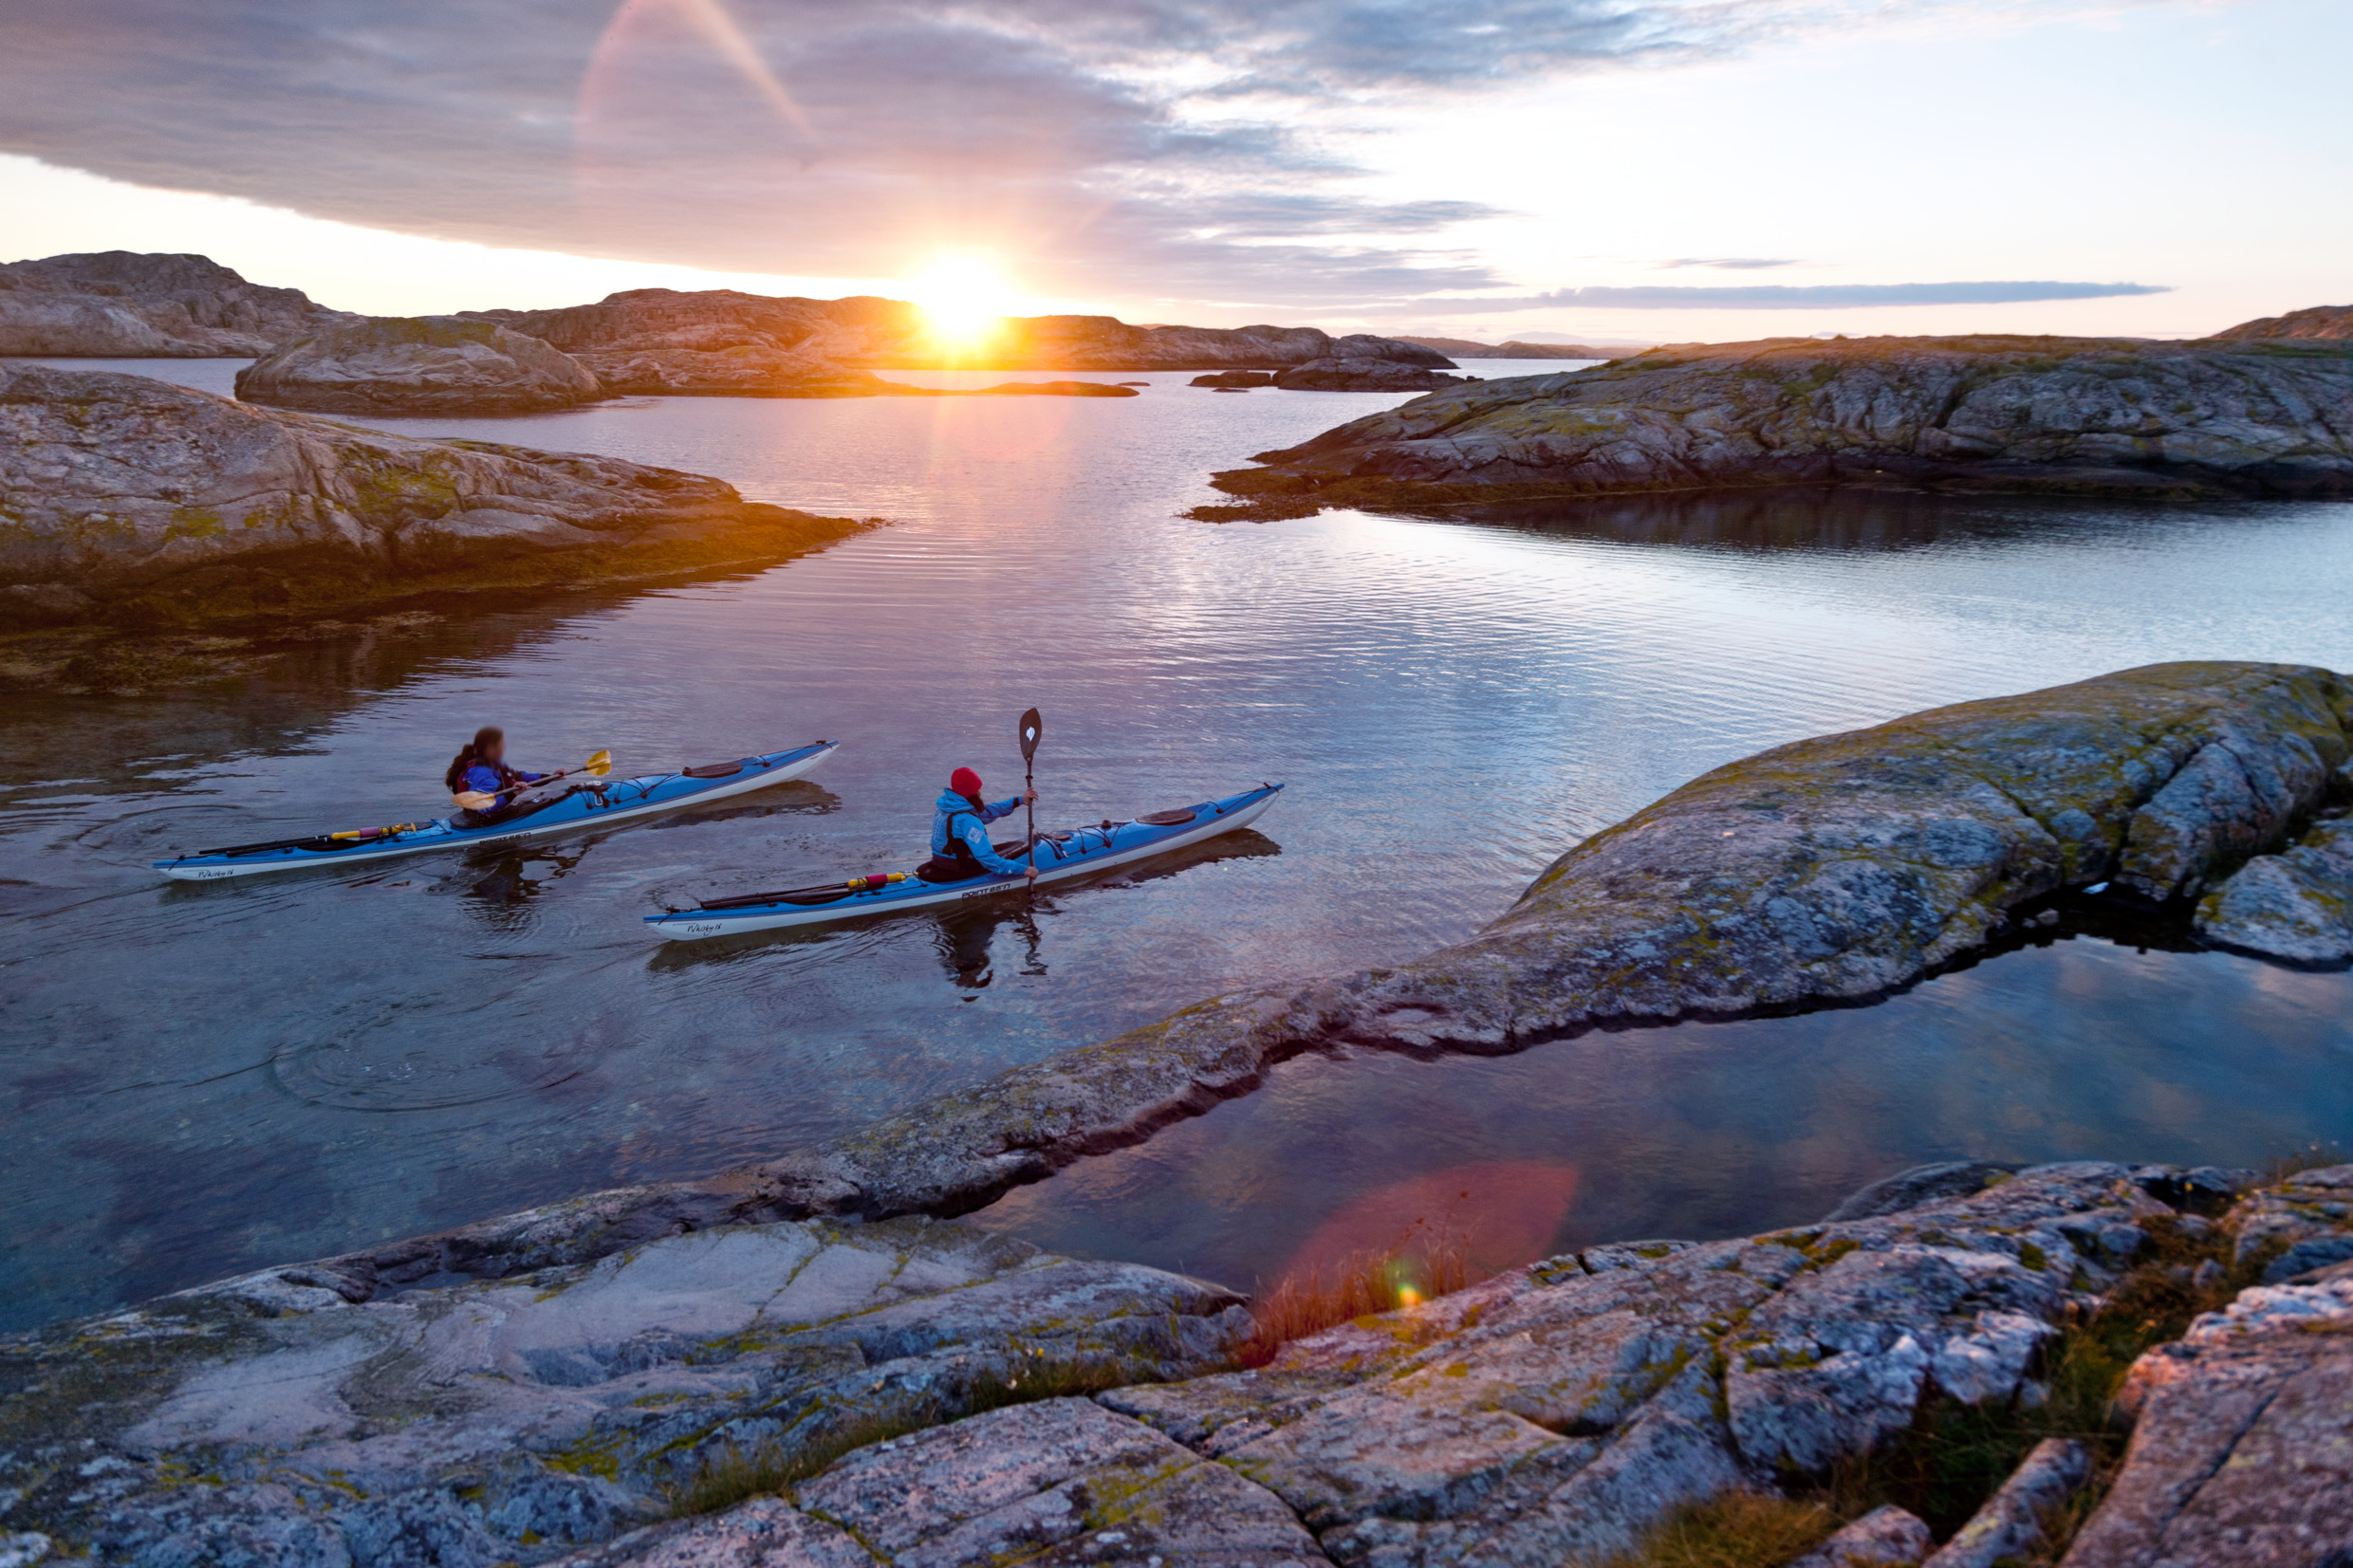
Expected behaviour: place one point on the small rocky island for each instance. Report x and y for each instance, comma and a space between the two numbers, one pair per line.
133, 503
800, 1363
2248, 413
418, 365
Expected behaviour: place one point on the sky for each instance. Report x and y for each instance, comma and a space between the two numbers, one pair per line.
1592, 170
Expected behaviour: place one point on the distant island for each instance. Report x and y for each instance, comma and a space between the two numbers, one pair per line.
712, 342
2248, 412
1466, 348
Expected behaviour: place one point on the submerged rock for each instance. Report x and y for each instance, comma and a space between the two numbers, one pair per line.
119, 304
2296, 904
1234, 381
418, 365
2071, 415
137, 503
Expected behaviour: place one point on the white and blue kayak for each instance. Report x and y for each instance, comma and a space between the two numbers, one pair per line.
1061, 856
585, 808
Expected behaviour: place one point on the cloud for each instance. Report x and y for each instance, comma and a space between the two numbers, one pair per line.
1135, 148
1837, 296
1725, 264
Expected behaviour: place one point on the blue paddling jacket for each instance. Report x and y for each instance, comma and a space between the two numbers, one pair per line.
954, 822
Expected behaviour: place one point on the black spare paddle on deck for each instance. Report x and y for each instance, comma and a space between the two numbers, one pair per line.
1031, 727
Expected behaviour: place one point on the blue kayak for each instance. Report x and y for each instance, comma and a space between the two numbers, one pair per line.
1064, 855
579, 808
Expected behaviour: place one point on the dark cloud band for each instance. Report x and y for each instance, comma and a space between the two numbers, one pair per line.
1836, 296
841, 138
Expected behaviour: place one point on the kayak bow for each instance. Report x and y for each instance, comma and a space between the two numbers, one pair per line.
1071, 853
590, 806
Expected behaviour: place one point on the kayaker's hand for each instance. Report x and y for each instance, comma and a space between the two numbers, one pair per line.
1028, 797
1032, 872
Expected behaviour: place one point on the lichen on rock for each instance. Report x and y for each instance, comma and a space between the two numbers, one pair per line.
140, 504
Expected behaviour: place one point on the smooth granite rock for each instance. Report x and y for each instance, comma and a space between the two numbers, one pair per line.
2075, 415
135, 501
421, 365
2296, 904
2242, 1446
1234, 381
1552, 1414
119, 304
2320, 321
1884, 1537
476, 1424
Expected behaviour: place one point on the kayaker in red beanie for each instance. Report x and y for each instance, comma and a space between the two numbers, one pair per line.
961, 846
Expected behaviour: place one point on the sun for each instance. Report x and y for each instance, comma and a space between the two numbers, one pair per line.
963, 295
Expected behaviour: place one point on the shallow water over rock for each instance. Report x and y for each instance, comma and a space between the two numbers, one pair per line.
209, 1078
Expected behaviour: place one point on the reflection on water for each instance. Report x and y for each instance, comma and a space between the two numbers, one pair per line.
2075, 1048
215, 1078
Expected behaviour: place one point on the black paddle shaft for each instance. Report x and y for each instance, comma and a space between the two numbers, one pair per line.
1031, 727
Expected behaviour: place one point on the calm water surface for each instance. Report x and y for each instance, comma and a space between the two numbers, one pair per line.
216, 1078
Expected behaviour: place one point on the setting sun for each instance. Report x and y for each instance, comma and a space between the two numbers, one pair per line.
963, 295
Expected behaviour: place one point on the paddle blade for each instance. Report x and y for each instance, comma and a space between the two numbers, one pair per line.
1031, 727
598, 765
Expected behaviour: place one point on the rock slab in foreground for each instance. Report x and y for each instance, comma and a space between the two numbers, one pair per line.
133, 501
2069, 414
420, 365
121, 303
2242, 1450
270, 1421
1553, 1414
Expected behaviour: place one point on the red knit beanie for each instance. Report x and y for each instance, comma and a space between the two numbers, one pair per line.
964, 781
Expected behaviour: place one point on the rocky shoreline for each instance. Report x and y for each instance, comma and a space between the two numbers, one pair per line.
137, 505
2240, 414
808, 1394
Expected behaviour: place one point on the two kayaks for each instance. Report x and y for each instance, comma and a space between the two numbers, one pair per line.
1061, 856
589, 807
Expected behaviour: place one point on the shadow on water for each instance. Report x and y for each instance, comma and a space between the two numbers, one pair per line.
1806, 519
963, 934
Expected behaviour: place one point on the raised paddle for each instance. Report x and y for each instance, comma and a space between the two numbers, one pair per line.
1031, 727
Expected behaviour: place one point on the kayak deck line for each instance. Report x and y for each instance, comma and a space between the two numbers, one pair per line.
585, 806
1062, 854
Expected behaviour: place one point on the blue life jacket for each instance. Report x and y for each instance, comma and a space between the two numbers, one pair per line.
960, 831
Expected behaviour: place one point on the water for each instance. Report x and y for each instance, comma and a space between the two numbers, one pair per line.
215, 1078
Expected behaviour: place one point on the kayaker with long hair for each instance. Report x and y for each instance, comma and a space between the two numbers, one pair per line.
961, 846
481, 786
